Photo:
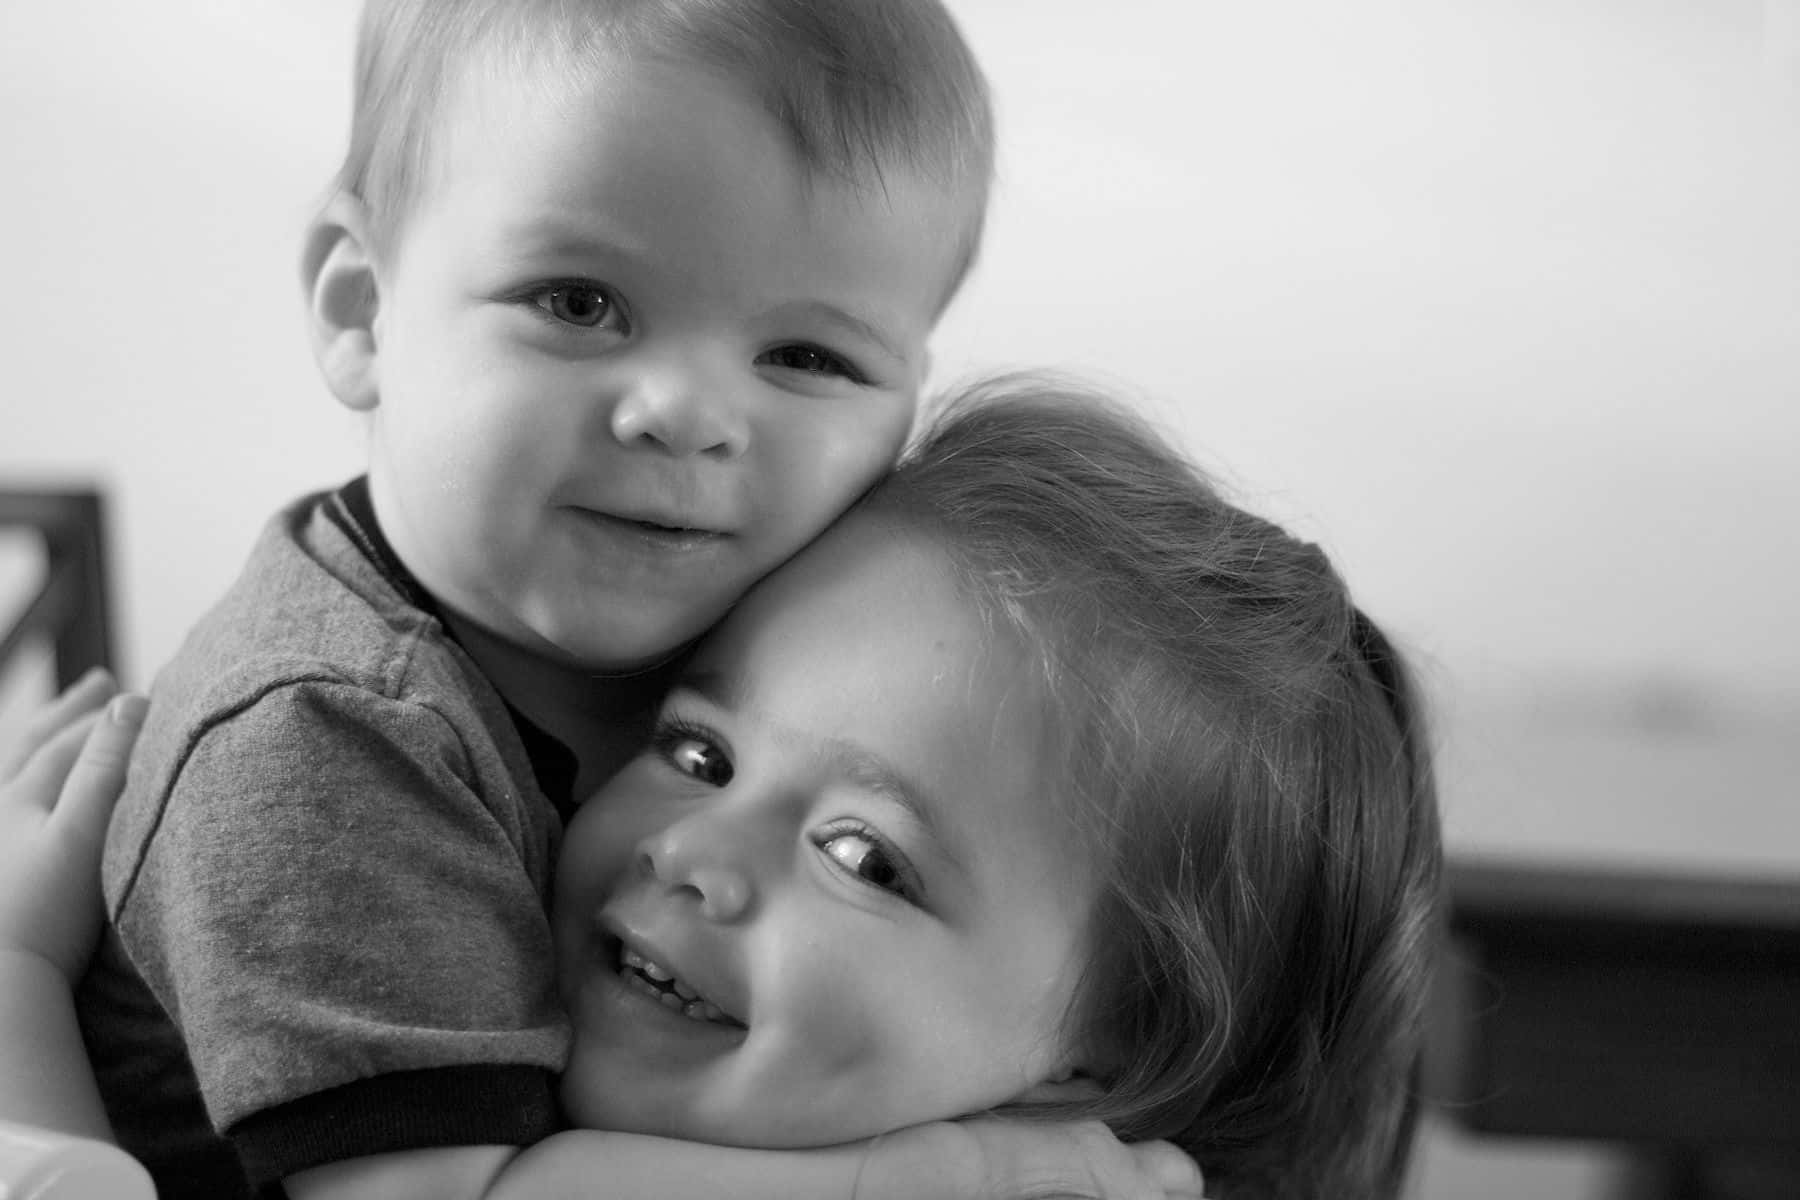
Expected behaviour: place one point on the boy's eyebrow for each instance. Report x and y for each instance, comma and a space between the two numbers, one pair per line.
558, 239
869, 770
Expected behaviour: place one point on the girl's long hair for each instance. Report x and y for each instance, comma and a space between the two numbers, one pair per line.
1247, 750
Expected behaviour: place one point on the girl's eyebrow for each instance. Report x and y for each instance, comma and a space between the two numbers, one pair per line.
726, 689
873, 773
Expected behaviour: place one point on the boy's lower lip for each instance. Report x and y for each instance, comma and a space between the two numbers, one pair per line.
648, 533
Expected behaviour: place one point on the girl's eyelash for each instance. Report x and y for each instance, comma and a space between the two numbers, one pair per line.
908, 886
675, 728
673, 732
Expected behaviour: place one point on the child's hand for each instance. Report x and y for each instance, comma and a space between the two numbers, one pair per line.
57, 790
990, 1158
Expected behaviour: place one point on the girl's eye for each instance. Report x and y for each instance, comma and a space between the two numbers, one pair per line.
579, 304
694, 755
809, 360
863, 856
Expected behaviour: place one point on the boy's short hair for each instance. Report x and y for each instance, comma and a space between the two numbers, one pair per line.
858, 86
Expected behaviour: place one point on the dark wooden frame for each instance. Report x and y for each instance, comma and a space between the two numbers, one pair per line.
71, 606
1655, 1010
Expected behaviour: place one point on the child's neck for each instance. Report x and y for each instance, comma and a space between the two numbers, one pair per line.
602, 719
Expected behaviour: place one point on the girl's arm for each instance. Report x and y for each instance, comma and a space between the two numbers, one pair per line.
55, 797
974, 1159
945, 1160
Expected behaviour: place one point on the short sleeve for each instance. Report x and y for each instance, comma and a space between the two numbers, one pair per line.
345, 920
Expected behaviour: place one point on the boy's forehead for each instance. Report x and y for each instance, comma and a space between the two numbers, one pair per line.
492, 104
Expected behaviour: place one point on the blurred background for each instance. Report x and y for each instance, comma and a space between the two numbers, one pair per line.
1497, 299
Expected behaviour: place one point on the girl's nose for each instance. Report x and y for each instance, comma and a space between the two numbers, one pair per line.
683, 409
696, 858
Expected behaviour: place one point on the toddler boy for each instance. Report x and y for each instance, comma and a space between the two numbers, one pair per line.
635, 296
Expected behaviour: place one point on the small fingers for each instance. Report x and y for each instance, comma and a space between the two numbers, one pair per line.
77, 700
98, 776
39, 780
1176, 1173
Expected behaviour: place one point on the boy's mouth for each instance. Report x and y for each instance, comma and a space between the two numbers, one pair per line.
671, 535
657, 981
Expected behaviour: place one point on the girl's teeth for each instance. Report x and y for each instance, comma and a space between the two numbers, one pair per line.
680, 997
654, 970
692, 1008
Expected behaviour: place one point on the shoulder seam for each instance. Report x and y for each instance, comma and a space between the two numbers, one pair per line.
204, 727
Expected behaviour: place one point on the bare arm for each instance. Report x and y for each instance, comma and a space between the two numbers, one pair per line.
56, 794
44, 1076
592, 1165
975, 1159
55, 798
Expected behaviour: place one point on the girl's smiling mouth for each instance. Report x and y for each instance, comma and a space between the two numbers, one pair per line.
646, 976
652, 978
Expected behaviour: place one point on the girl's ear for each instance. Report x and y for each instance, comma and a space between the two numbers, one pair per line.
1064, 1088
337, 271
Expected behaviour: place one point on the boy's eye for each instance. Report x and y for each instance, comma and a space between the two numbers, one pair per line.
810, 360
582, 305
866, 858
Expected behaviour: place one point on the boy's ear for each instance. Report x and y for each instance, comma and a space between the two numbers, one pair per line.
337, 270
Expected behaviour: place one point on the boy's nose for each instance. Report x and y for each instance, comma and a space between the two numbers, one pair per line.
683, 410
698, 859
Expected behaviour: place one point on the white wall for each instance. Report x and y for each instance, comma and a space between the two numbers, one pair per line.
1503, 296
159, 162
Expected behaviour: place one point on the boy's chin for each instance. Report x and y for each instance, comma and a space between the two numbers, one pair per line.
615, 650
545, 649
